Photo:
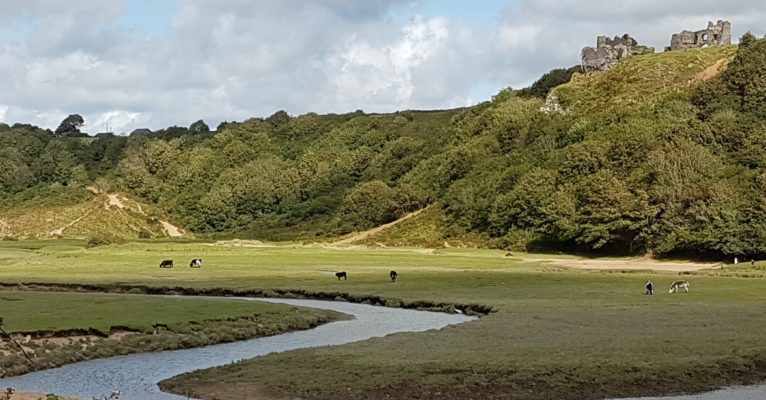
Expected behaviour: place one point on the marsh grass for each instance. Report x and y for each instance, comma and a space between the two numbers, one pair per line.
555, 334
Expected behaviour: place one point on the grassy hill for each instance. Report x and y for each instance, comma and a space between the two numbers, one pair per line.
98, 215
664, 154
644, 80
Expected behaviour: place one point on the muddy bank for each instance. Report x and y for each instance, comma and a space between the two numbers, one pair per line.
24, 352
423, 305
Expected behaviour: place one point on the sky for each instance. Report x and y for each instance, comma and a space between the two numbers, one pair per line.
128, 64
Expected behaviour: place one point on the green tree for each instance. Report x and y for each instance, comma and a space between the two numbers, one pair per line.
199, 127
368, 204
70, 126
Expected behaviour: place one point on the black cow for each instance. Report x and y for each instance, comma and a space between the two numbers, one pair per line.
166, 264
341, 275
195, 263
393, 276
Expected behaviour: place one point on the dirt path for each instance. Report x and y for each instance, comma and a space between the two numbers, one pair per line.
363, 235
60, 231
622, 264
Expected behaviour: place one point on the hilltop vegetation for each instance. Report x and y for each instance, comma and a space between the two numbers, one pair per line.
663, 154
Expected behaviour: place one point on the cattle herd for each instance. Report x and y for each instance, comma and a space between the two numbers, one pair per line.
197, 263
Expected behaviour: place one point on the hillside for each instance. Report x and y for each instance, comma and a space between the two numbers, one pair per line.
100, 215
664, 154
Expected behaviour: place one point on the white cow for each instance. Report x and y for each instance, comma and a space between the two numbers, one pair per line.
677, 285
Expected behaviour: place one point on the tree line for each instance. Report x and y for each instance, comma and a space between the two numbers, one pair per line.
686, 174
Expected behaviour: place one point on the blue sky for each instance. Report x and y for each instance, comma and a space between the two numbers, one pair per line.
485, 12
150, 15
154, 63
157, 15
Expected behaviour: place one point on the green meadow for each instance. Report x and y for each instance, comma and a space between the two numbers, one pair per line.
555, 333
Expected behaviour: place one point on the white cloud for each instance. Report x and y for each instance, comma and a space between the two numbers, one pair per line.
234, 59
380, 75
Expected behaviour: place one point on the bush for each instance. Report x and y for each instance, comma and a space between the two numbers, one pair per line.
104, 239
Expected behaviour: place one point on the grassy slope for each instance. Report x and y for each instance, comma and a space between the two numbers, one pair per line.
643, 80
427, 229
556, 335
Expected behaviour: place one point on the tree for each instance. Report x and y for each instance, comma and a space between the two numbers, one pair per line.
199, 127
278, 119
70, 126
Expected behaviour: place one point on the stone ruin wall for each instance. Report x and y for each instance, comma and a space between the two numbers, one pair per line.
610, 51
718, 34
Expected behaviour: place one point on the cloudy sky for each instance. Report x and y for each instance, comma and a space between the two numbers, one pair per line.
126, 64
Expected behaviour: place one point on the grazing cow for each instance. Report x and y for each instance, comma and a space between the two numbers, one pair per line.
195, 263
166, 264
341, 275
678, 285
393, 276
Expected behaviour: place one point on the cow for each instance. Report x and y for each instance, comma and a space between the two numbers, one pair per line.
393, 276
649, 288
195, 263
677, 285
166, 264
341, 274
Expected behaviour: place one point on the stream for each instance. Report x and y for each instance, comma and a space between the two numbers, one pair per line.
137, 375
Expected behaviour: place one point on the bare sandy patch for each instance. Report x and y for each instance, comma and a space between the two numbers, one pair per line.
171, 230
628, 264
36, 396
712, 71
240, 243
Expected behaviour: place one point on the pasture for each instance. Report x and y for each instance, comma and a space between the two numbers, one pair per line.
557, 333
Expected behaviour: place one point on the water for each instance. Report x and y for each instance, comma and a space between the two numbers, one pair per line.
733, 393
137, 375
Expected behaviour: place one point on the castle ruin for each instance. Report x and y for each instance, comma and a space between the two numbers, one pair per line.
608, 52
718, 34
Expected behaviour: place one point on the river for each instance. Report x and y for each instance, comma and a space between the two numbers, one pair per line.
137, 375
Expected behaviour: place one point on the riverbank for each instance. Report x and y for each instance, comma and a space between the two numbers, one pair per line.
50, 329
36, 396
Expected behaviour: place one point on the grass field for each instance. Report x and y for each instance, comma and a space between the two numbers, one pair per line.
557, 333
55, 312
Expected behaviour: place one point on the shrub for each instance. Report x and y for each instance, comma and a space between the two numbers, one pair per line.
104, 239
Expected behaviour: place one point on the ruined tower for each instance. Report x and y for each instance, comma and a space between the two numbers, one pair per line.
718, 34
609, 52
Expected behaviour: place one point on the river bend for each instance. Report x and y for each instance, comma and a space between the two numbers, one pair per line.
137, 375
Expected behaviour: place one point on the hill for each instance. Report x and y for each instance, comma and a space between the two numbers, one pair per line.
99, 215
663, 154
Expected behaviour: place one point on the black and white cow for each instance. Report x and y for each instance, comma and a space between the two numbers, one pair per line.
195, 263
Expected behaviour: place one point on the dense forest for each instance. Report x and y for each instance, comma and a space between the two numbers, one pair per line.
631, 163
